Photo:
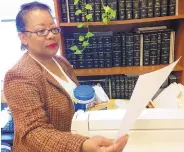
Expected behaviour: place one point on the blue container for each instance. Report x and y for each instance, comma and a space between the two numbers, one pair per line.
84, 95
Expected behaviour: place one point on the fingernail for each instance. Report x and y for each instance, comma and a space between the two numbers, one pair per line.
127, 136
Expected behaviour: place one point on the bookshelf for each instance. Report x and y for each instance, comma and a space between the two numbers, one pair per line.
121, 70
123, 22
176, 22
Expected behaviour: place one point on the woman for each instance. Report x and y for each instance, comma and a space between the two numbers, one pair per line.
38, 90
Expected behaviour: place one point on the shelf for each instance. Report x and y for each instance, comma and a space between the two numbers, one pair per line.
121, 70
121, 22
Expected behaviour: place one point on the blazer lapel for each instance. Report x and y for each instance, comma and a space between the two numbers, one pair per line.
68, 72
51, 79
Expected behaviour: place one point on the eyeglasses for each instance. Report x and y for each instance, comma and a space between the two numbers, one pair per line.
45, 32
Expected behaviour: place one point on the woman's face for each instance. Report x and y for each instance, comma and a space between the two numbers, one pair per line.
41, 47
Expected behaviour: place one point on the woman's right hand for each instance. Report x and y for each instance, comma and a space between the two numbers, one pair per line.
101, 144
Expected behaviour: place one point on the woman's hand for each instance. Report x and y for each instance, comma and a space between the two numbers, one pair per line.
101, 144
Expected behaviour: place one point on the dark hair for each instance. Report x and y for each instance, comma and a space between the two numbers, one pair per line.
22, 15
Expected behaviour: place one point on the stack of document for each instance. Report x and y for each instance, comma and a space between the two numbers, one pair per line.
171, 97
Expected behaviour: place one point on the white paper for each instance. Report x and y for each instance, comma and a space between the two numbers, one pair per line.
100, 94
168, 97
146, 87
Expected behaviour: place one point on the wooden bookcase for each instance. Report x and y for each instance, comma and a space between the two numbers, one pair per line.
175, 22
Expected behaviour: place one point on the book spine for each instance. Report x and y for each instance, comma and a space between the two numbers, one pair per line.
146, 48
128, 9
126, 87
89, 53
107, 41
93, 41
165, 51
113, 87
136, 54
121, 9
97, 7
157, 8
68, 10
130, 86
172, 43
118, 91
116, 50
106, 86
100, 52
64, 11
123, 49
172, 7
177, 7
141, 49
136, 9
153, 48
122, 86
144, 8
129, 49
150, 8
164, 7
159, 43
71, 10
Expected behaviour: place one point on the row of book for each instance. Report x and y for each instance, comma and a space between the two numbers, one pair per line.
120, 86
115, 86
126, 9
108, 49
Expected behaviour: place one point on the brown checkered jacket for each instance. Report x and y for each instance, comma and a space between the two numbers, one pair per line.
41, 108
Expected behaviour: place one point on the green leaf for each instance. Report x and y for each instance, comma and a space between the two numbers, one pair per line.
107, 9
78, 12
89, 7
113, 13
80, 25
105, 20
85, 43
73, 48
81, 38
89, 16
76, 2
104, 15
89, 34
78, 51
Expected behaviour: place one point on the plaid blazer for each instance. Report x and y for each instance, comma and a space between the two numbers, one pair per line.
41, 108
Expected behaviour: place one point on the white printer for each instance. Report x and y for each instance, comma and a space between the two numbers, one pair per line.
156, 130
